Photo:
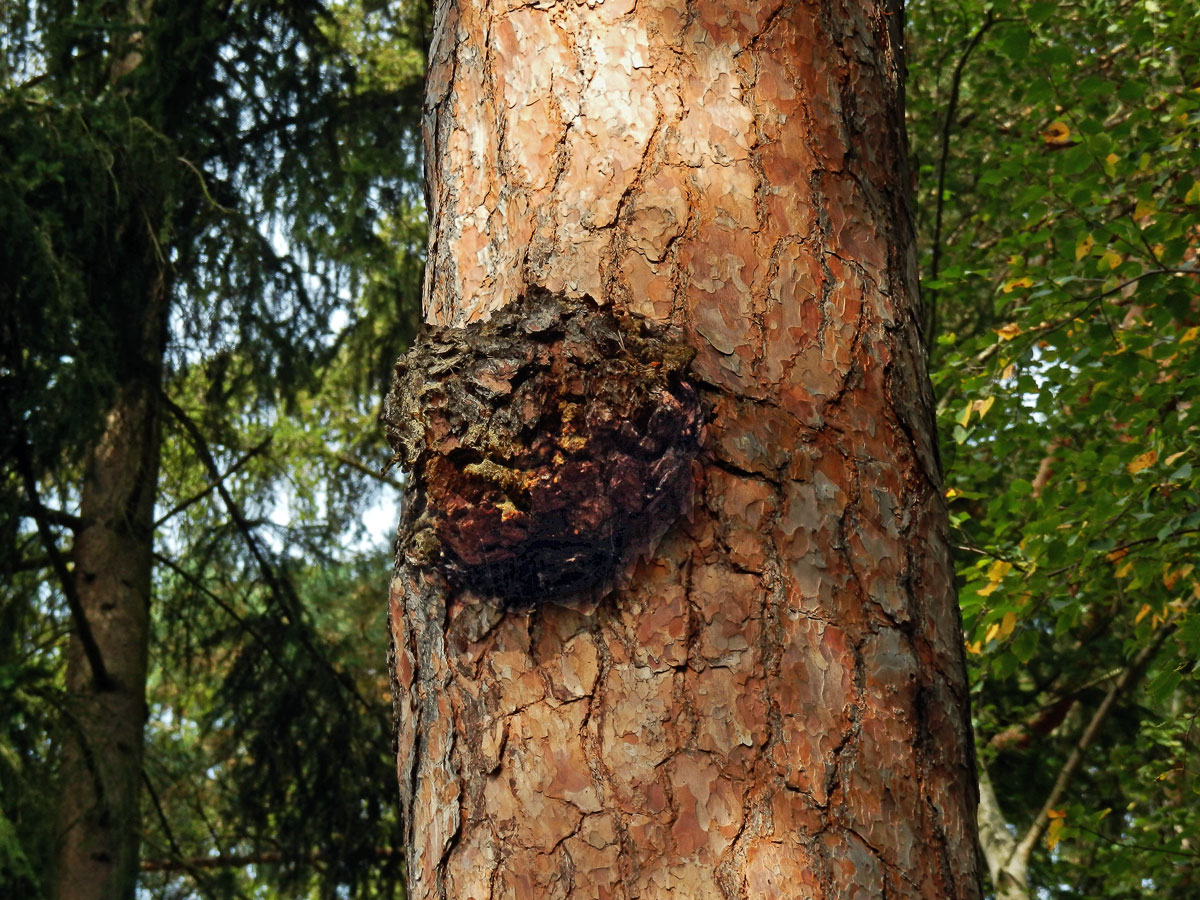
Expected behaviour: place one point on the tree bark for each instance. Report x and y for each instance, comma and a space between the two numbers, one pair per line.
104, 712
104, 706
775, 703
103, 734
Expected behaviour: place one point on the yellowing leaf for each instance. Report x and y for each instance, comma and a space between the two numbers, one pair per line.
1008, 332
965, 416
1170, 460
998, 570
1054, 832
990, 588
1111, 258
1141, 614
1112, 159
1142, 461
982, 406
1022, 282
976, 647
1125, 569
1008, 623
1084, 247
1145, 208
1116, 555
1170, 579
1190, 334
993, 630
1056, 813
1057, 133
951, 493
1193, 194
1008, 372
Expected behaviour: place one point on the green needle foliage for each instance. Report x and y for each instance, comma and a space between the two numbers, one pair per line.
1063, 290
258, 162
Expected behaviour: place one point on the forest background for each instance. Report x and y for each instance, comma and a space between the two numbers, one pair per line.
1056, 158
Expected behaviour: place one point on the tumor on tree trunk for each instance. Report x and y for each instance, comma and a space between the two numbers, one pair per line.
550, 445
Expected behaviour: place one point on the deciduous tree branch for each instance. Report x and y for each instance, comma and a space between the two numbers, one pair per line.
1035, 334
1007, 857
1125, 680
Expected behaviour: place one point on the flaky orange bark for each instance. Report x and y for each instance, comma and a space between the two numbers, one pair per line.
776, 705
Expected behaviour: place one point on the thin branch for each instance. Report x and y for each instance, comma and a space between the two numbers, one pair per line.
1126, 546
1080, 306
1127, 679
91, 649
212, 485
991, 554
31, 565
947, 124
1131, 846
54, 516
279, 586
204, 186
359, 466
162, 816
200, 445
180, 863
225, 607
263, 857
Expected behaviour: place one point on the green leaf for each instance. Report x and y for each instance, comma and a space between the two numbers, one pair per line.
1020, 487
1162, 686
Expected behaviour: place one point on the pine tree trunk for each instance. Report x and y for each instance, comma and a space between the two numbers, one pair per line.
775, 703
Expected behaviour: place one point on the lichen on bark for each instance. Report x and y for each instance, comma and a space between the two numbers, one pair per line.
549, 446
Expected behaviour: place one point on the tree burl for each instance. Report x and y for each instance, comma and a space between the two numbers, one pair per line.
550, 445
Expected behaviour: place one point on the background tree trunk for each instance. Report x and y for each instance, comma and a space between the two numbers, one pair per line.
776, 704
104, 707
104, 713
103, 729
104, 717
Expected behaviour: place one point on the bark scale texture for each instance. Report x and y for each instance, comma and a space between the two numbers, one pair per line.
775, 705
